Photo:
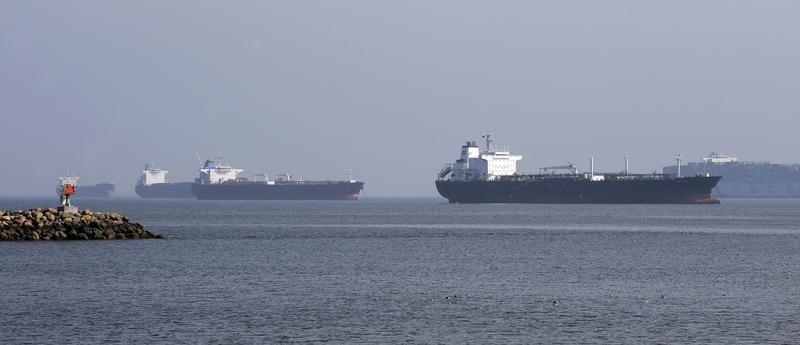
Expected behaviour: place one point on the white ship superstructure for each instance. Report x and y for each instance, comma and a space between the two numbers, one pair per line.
152, 174
263, 178
718, 158
216, 171
487, 165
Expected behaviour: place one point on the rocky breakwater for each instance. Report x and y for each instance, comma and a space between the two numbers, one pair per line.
49, 224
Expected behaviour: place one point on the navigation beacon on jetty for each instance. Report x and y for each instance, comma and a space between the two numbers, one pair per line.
490, 176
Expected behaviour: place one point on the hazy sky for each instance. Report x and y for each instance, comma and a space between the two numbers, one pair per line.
388, 88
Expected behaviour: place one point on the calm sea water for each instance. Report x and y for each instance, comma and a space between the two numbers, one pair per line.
413, 271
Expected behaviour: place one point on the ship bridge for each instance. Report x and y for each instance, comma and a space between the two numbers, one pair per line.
216, 171
152, 174
487, 165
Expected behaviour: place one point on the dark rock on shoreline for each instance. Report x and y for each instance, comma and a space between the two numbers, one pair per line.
48, 224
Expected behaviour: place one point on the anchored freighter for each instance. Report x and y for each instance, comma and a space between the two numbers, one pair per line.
100, 190
742, 179
219, 181
153, 184
490, 176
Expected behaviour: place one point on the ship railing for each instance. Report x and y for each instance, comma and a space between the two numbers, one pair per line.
586, 176
445, 171
310, 182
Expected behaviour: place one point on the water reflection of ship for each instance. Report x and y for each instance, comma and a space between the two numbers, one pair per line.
742, 179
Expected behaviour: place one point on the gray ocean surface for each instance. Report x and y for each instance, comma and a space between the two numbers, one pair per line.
412, 270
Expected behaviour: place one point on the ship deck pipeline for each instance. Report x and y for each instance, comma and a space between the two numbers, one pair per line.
586, 176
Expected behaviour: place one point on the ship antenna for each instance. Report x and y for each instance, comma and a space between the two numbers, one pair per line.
626, 165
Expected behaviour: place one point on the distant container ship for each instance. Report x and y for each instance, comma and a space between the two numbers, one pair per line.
746, 179
100, 190
491, 176
219, 181
153, 184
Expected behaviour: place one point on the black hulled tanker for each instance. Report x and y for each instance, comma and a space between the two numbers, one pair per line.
100, 190
490, 177
620, 189
218, 181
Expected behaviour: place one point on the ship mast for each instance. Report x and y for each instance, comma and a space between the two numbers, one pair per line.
489, 142
626, 165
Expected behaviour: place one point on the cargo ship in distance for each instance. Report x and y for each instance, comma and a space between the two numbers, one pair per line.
743, 179
153, 184
100, 190
219, 181
490, 176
